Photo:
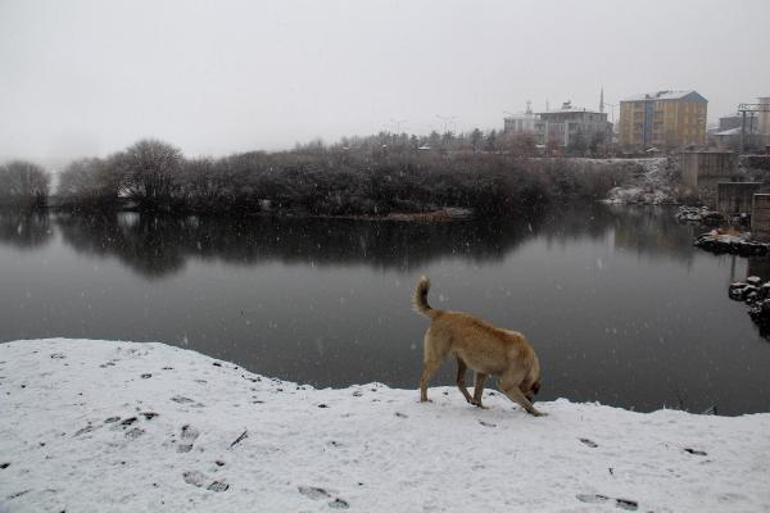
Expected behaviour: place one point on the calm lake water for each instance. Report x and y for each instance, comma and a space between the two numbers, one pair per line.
619, 305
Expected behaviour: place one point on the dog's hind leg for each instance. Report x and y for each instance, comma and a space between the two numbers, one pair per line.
481, 380
429, 368
435, 351
461, 369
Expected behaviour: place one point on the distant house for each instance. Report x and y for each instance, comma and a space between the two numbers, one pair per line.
664, 119
736, 121
727, 139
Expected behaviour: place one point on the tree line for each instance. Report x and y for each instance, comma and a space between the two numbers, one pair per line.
366, 176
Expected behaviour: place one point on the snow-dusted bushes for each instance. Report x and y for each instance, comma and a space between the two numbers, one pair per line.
336, 181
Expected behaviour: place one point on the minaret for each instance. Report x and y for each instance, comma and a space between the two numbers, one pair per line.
601, 100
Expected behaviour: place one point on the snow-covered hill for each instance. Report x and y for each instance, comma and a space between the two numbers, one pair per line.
121, 426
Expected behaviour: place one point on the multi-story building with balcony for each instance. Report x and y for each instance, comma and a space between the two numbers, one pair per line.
663, 119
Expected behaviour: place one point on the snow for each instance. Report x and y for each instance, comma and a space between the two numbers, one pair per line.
122, 426
654, 185
659, 95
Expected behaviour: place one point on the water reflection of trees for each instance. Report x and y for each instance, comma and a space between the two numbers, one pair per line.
156, 245
650, 231
25, 229
152, 246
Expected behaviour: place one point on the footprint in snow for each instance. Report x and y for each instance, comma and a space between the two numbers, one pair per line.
134, 433
129, 421
626, 504
487, 424
180, 399
189, 435
84, 430
695, 452
315, 493
199, 480
312, 492
592, 499
339, 504
589, 443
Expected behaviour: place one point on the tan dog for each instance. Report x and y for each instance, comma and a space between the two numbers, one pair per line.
486, 349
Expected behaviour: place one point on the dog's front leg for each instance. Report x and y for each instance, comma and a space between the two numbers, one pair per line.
481, 380
515, 395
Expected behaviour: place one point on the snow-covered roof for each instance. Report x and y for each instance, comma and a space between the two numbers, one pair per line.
662, 95
570, 111
568, 108
731, 131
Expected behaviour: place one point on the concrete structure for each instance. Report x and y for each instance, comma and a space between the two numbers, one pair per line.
762, 139
760, 217
736, 121
703, 170
736, 197
565, 126
521, 123
663, 119
764, 117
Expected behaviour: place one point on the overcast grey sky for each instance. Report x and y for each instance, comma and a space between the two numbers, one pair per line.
84, 77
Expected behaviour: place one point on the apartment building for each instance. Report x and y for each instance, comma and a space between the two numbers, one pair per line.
663, 119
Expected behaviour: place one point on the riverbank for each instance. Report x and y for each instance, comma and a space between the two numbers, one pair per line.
121, 426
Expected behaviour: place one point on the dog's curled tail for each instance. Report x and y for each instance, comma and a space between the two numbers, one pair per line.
420, 298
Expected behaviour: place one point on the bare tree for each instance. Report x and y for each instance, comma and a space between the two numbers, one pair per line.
90, 182
149, 169
24, 183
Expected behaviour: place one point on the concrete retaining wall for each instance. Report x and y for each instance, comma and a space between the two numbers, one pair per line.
702, 170
736, 197
760, 217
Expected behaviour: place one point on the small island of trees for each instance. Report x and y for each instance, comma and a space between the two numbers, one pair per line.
489, 174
